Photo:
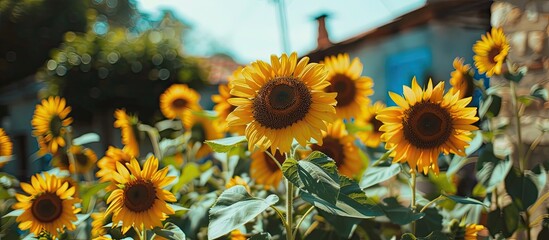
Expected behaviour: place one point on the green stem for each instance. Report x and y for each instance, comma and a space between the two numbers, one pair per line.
70, 156
413, 204
516, 109
274, 159
289, 208
431, 203
154, 137
301, 220
144, 232
281, 216
533, 146
382, 159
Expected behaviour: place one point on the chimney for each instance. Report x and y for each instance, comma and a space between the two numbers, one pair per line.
323, 41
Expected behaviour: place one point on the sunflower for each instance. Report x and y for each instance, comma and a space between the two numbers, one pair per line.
202, 129
107, 164
140, 200
223, 107
425, 124
49, 123
491, 52
340, 146
372, 137
237, 235
236, 180
282, 101
263, 169
351, 88
179, 101
84, 159
6, 148
471, 231
128, 126
50, 206
98, 221
462, 79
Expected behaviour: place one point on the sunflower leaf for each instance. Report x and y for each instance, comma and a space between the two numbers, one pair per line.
351, 202
86, 138
170, 232
178, 208
399, 214
14, 213
374, 175
465, 200
316, 174
235, 207
225, 144
80, 218
261, 236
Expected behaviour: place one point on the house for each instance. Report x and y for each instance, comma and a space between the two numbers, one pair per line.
421, 43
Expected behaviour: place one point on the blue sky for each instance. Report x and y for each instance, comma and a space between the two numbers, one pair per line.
249, 29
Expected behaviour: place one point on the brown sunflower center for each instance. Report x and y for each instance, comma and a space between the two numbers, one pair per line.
333, 148
179, 103
494, 51
427, 125
281, 102
47, 207
139, 195
345, 89
81, 159
55, 125
376, 124
280, 158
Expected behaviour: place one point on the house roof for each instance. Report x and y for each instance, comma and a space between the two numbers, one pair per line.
463, 13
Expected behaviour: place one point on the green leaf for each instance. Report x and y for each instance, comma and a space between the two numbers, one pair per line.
521, 188
345, 225
459, 161
177, 208
465, 200
14, 213
354, 128
86, 138
490, 106
189, 172
170, 231
235, 207
540, 92
437, 235
261, 236
225, 144
526, 100
516, 77
80, 218
408, 236
351, 202
490, 169
504, 221
399, 214
375, 175
431, 222
90, 192
316, 174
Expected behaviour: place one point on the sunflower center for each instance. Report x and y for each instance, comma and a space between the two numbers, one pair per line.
81, 159
179, 103
345, 89
55, 125
281, 102
280, 158
333, 148
427, 125
376, 124
139, 195
47, 207
494, 51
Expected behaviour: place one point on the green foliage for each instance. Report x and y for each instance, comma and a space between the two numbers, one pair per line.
374, 175
399, 214
504, 221
30, 29
521, 188
491, 170
170, 231
92, 71
225, 144
235, 207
